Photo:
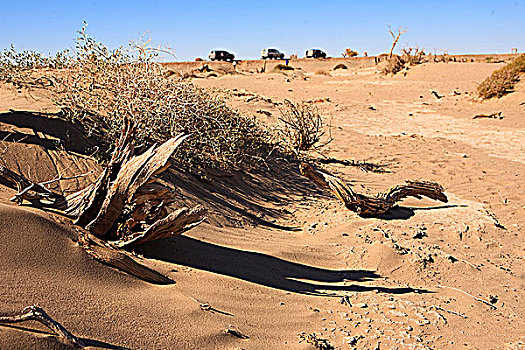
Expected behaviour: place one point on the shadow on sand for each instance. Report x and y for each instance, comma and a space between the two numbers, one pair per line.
261, 268
58, 132
403, 213
57, 344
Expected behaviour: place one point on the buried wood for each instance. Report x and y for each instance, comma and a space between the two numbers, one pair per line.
109, 255
36, 313
381, 202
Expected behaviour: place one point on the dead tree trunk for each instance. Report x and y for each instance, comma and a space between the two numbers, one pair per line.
378, 204
125, 206
395, 38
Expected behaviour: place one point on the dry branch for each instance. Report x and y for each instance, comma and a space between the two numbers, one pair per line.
492, 306
109, 255
381, 202
36, 313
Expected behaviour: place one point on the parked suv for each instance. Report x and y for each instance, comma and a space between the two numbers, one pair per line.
315, 53
271, 54
220, 55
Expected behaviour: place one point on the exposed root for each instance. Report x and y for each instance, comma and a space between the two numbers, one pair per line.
109, 255
381, 202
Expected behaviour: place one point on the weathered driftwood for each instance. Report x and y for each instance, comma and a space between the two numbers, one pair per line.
35, 193
125, 206
36, 313
378, 204
109, 255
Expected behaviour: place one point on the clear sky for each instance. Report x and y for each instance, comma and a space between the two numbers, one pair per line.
193, 28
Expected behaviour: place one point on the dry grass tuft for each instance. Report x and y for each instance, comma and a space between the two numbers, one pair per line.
301, 126
502, 81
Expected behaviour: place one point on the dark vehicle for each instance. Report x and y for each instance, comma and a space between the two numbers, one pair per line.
271, 54
315, 53
220, 55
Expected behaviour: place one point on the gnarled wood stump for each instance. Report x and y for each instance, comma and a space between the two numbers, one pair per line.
125, 206
381, 202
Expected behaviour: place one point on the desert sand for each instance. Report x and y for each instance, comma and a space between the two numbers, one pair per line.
278, 257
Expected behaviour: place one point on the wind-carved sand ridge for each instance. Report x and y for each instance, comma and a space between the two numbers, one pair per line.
392, 119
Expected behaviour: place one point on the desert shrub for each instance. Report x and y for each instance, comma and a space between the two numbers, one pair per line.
392, 65
502, 81
350, 53
340, 66
300, 126
413, 56
101, 88
27, 68
281, 67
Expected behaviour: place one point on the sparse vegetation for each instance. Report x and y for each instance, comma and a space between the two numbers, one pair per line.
350, 53
301, 126
281, 67
502, 81
411, 56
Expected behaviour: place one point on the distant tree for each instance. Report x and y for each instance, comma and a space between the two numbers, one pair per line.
349, 53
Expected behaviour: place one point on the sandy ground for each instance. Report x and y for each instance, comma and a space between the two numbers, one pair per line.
279, 257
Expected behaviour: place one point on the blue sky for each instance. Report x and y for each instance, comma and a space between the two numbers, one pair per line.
193, 28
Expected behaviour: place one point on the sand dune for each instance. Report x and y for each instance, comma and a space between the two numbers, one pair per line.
278, 255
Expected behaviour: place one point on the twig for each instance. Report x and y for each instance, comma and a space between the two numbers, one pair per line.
60, 178
438, 96
236, 333
382, 231
471, 264
449, 311
470, 295
362, 165
208, 307
38, 314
